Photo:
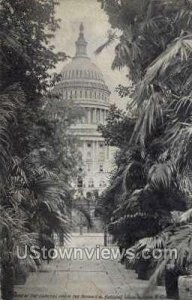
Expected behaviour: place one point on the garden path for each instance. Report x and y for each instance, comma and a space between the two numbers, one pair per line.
84, 278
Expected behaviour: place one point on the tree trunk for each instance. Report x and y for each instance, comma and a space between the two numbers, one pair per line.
61, 239
171, 284
143, 269
105, 235
7, 281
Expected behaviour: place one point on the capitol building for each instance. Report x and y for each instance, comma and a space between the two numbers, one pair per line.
83, 83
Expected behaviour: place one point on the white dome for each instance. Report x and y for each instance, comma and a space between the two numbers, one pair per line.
81, 68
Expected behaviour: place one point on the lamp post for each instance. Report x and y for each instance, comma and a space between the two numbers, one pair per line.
105, 235
81, 225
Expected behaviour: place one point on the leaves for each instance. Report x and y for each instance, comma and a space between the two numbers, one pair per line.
10, 99
155, 46
26, 33
150, 115
181, 46
34, 201
186, 216
162, 176
111, 38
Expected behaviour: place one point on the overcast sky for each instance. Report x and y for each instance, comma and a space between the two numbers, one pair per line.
72, 13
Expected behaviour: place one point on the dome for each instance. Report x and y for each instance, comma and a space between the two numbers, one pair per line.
83, 84
81, 69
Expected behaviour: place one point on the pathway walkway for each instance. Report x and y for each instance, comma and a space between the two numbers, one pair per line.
84, 279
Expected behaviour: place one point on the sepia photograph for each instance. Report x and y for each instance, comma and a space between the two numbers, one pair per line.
95, 149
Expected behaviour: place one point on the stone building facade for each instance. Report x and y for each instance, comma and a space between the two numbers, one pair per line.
83, 82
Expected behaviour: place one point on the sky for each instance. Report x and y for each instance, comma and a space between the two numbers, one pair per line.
96, 26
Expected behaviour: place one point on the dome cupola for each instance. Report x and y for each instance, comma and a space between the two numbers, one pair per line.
81, 71
81, 44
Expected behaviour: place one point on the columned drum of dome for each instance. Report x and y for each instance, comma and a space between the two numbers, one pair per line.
83, 83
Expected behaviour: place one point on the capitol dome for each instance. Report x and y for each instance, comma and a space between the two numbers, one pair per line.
81, 72
82, 68
82, 82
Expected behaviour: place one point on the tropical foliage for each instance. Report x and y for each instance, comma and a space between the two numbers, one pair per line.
153, 176
37, 158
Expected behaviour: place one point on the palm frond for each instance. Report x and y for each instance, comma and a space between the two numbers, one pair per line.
150, 115
161, 176
180, 142
179, 239
112, 36
182, 241
133, 174
11, 98
183, 108
160, 269
181, 46
186, 216
125, 52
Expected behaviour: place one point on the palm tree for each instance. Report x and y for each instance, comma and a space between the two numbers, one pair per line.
33, 199
175, 237
10, 224
33, 202
156, 46
13, 236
